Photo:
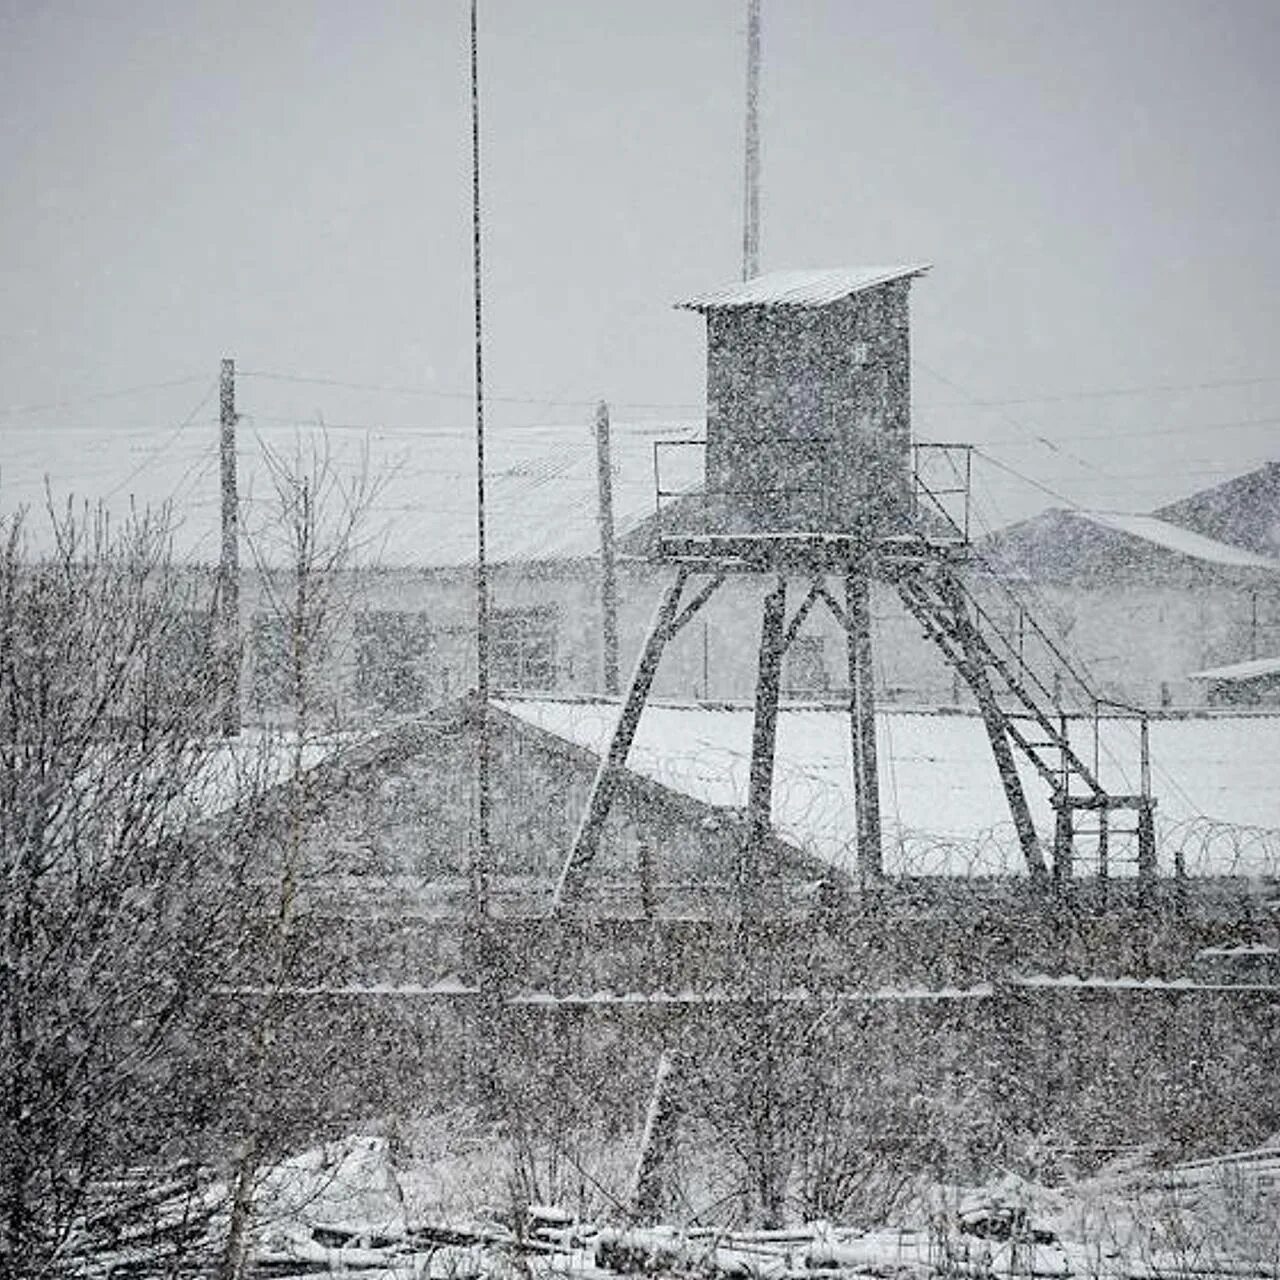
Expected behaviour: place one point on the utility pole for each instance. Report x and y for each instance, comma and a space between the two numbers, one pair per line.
608, 557
751, 193
229, 562
481, 863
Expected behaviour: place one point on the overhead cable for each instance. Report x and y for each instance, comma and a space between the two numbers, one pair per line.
1152, 388
101, 395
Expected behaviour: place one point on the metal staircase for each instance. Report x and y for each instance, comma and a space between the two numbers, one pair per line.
1023, 706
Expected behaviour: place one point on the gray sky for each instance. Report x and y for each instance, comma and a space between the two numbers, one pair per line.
287, 183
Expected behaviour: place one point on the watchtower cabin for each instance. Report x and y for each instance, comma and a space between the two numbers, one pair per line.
811, 480
809, 402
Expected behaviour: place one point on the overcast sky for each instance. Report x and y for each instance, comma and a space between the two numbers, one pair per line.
1096, 184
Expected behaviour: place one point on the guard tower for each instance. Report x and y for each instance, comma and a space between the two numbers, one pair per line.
812, 481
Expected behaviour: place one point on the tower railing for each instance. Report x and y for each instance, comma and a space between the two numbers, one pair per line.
942, 482
802, 504
937, 495
663, 495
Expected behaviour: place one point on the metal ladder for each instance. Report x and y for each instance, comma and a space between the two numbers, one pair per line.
1021, 709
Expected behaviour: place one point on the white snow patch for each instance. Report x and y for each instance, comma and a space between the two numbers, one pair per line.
943, 809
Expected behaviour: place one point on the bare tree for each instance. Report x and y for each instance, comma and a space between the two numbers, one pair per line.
110, 935
304, 553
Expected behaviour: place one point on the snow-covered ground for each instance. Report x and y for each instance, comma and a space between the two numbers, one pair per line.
942, 806
357, 1205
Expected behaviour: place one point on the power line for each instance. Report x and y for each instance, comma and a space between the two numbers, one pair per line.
194, 475
437, 393
1129, 479
418, 390
1145, 432
101, 395
1124, 481
1019, 426
1035, 484
117, 430
456, 432
177, 431
1151, 388
133, 430
103, 466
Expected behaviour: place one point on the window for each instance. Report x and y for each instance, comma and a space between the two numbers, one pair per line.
394, 652
804, 672
523, 648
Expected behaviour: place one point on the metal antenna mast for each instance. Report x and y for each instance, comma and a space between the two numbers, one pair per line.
751, 193
229, 563
480, 867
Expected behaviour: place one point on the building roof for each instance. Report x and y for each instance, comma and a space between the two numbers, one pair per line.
1060, 544
1253, 669
1244, 511
942, 806
541, 494
816, 288
1172, 537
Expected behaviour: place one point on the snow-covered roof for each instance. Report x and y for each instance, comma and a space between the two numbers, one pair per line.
541, 494
1175, 538
1250, 670
1244, 510
943, 809
1110, 545
816, 288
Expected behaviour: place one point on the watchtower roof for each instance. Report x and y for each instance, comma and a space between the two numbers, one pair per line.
812, 289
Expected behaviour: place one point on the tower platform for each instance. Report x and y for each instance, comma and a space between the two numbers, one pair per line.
809, 552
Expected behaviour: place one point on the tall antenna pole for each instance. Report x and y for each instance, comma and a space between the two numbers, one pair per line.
229, 562
751, 194
480, 868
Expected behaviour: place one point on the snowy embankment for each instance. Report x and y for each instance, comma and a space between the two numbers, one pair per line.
941, 802
346, 1208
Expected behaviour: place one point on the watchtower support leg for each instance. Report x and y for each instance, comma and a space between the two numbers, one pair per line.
764, 738
1063, 841
586, 842
862, 725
